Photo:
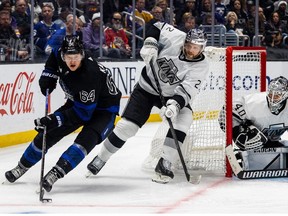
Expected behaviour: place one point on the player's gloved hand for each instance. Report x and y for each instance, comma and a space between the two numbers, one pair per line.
149, 50
249, 137
51, 121
47, 83
172, 109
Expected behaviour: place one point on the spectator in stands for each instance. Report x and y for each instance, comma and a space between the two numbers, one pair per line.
275, 32
283, 14
90, 8
55, 4
232, 25
157, 13
242, 16
207, 9
157, 16
91, 39
112, 6
189, 22
45, 28
221, 10
165, 11
55, 41
115, 37
142, 17
65, 11
12, 46
251, 23
22, 19
268, 7
7, 5
190, 6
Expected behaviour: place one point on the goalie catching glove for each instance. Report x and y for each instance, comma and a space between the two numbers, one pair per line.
50, 121
248, 137
149, 50
172, 109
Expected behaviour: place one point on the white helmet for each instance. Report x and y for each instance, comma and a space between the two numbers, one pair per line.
277, 94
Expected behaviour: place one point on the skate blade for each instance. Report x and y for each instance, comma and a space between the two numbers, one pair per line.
158, 178
88, 174
6, 182
195, 179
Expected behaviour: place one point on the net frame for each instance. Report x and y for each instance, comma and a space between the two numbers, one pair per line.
215, 153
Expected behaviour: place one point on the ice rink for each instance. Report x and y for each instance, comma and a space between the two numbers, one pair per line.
122, 187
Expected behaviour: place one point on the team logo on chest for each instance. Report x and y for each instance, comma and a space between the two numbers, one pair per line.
167, 71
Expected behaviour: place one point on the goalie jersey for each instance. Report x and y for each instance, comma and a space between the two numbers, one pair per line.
254, 107
177, 76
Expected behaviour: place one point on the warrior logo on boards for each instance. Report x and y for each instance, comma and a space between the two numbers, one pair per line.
167, 71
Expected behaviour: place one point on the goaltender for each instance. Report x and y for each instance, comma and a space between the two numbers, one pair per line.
259, 121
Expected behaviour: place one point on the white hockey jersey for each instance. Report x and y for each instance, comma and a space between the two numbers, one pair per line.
176, 75
254, 107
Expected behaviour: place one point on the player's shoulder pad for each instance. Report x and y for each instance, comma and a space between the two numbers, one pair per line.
159, 24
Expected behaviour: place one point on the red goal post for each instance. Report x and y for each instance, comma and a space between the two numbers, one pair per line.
234, 71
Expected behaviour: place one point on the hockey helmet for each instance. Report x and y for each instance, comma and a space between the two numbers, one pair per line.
196, 36
277, 94
72, 44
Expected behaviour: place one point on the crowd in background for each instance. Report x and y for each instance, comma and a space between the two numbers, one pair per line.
53, 19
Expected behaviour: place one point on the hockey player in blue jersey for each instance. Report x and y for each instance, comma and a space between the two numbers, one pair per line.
93, 102
181, 68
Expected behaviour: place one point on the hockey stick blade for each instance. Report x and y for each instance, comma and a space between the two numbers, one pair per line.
195, 179
44, 200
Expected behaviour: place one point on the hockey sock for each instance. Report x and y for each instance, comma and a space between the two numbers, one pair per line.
31, 156
72, 157
109, 147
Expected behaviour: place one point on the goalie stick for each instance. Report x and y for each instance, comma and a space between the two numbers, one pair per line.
192, 179
41, 194
252, 174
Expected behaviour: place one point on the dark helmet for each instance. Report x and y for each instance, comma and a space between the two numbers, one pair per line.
72, 45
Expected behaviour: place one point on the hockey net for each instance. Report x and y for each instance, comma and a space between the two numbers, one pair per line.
233, 71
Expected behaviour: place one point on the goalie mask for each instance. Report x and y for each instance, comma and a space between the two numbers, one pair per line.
277, 94
194, 37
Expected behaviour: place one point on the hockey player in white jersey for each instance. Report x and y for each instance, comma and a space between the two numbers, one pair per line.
181, 68
259, 121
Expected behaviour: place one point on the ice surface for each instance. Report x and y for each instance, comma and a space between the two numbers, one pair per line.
122, 187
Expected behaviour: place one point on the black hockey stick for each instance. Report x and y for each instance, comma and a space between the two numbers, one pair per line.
41, 195
194, 180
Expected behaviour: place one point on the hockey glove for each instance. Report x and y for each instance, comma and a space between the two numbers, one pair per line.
149, 50
47, 83
51, 121
249, 137
172, 109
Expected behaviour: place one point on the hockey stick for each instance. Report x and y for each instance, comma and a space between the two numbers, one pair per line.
191, 179
41, 195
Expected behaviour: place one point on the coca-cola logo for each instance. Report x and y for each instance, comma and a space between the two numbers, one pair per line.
16, 98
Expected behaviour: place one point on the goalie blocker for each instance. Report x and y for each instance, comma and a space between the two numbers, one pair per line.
259, 163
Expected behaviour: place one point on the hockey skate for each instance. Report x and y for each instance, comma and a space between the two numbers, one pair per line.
16, 173
95, 166
50, 178
163, 172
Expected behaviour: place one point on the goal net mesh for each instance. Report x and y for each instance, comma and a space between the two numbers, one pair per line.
204, 146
